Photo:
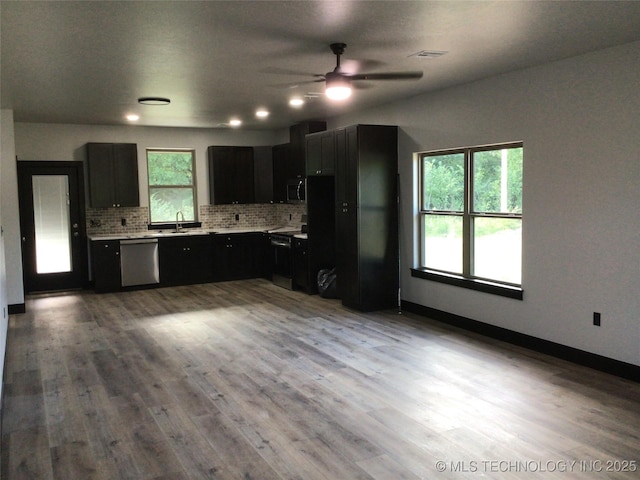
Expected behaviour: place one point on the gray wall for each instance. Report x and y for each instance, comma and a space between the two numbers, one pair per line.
67, 142
10, 266
579, 120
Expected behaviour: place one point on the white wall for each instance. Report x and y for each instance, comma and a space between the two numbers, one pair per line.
579, 120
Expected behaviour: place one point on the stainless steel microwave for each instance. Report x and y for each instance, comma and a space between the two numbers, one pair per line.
296, 190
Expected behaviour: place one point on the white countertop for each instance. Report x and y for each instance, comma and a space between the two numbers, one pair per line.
194, 231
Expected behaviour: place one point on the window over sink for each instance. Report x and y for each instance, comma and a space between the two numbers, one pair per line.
172, 185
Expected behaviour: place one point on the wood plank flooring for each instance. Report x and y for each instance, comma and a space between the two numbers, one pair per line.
246, 380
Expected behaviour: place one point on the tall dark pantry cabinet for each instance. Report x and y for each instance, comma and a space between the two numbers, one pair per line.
366, 171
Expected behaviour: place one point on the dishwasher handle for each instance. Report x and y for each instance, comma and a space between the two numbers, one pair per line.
134, 241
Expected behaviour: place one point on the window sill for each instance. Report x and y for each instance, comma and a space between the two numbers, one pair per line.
485, 286
168, 225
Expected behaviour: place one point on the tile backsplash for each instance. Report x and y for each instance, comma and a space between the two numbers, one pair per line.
109, 221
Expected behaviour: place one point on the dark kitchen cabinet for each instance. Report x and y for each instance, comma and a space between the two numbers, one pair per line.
262, 255
234, 256
320, 151
263, 174
105, 265
113, 174
367, 216
184, 259
282, 171
297, 134
302, 279
231, 175
321, 225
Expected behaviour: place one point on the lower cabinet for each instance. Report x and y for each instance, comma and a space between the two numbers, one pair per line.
189, 259
105, 265
185, 260
237, 256
301, 272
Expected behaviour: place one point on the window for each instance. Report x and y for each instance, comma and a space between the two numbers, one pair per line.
471, 217
172, 186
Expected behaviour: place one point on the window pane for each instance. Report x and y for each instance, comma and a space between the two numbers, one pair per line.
498, 249
165, 202
170, 168
497, 181
443, 182
171, 185
442, 246
51, 222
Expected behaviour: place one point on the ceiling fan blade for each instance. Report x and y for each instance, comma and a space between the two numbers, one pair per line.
386, 76
285, 71
362, 86
292, 85
352, 66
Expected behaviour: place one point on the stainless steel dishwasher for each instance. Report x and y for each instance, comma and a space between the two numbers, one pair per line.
139, 262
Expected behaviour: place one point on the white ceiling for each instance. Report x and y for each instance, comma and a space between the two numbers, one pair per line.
88, 62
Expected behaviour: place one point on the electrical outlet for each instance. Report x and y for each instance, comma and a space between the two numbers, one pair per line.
596, 319
123, 222
237, 217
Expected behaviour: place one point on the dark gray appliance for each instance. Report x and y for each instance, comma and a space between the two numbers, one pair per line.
282, 267
139, 262
296, 190
282, 255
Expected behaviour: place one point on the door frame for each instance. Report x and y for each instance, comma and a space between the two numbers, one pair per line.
79, 254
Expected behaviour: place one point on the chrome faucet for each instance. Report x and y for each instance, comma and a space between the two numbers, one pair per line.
178, 226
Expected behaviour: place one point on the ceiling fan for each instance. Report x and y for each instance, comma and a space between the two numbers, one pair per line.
338, 82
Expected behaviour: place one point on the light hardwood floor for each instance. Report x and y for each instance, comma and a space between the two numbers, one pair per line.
246, 380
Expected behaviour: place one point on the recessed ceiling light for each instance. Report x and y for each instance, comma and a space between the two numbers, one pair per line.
235, 122
262, 113
154, 101
133, 117
296, 102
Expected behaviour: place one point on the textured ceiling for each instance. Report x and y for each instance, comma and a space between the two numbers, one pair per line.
88, 62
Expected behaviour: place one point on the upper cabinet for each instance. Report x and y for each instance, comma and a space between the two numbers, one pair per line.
263, 174
231, 175
113, 174
297, 135
281, 171
320, 151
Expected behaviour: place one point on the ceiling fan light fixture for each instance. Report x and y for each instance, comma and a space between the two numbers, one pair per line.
338, 87
154, 101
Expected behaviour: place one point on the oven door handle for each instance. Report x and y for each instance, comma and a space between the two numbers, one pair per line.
277, 243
